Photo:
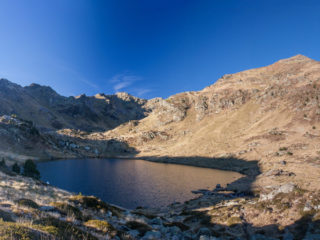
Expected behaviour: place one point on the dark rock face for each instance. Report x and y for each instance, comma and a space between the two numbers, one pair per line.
49, 110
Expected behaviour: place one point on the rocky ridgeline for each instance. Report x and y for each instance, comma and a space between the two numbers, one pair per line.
49, 110
21, 140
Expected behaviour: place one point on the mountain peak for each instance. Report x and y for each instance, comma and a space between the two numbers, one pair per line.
296, 58
7, 83
40, 88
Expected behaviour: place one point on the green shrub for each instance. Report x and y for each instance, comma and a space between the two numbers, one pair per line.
233, 221
30, 169
5, 216
3, 163
283, 149
16, 168
67, 209
100, 225
96, 204
10, 230
141, 227
27, 203
64, 230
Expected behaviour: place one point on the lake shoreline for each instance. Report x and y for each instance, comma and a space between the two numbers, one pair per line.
191, 161
142, 180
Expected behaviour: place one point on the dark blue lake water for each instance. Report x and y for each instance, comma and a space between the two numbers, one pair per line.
132, 183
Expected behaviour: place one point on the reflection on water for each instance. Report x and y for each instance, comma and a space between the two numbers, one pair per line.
132, 183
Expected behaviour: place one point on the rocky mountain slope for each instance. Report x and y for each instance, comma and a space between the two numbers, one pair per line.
262, 122
269, 115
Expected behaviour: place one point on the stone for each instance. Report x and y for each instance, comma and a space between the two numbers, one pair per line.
285, 188
47, 208
205, 237
156, 221
72, 145
204, 232
307, 207
189, 235
152, 235
133, 233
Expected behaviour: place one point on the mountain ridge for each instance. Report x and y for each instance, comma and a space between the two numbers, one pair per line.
263, 123
251, 115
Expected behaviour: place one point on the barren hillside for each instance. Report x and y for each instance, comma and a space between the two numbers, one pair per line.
263, 123
270, 115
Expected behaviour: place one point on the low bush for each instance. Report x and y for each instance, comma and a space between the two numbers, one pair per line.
5, 216
27, 203
100, 225
30, 169
16, 168
64, 230
67, 209
95, 204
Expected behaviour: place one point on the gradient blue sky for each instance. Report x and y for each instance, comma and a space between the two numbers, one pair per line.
149, 48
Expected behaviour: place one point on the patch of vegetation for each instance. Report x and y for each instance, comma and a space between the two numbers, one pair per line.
62, 229
27, 203
67, 209
5, 216
96, 204
30, 169
10, 230
3, 163
141, 227
48, 229
282, 201
233, 221
290, 153
196, 216
299, 191
102, 226
180, 225
16, 168
146, 214
283, 149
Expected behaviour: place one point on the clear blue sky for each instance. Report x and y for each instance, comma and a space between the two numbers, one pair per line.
149, 48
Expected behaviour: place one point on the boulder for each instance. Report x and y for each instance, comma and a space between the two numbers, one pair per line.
285, 188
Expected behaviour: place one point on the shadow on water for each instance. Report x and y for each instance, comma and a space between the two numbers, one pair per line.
249, 169
201, 213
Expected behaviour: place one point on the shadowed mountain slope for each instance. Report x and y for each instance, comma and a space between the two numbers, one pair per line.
49, 110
